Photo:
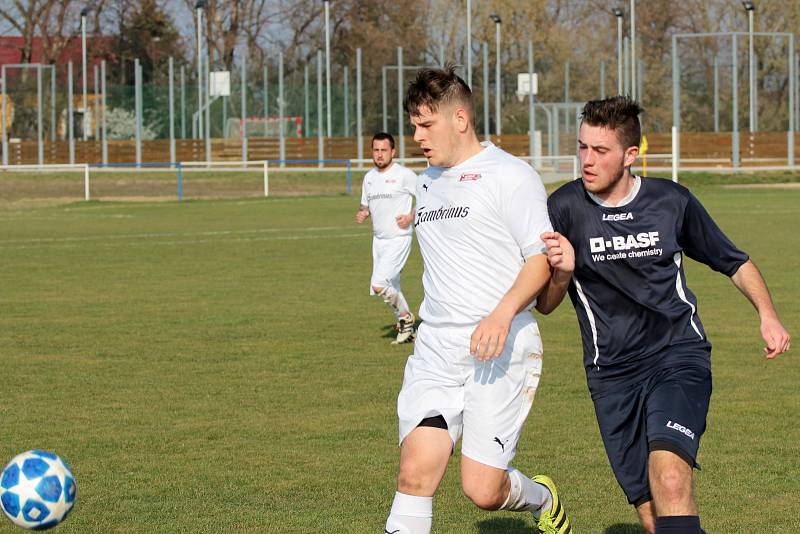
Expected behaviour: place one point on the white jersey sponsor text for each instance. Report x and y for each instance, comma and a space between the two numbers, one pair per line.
388, 194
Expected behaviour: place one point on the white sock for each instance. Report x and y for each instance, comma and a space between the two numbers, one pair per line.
390, 297
402, 305
410, 515
526, 495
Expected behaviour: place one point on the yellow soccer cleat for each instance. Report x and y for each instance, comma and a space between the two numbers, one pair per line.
554, 520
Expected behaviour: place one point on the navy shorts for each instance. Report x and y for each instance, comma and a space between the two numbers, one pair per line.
664, 411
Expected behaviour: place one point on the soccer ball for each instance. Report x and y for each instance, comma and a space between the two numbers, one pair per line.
37, 490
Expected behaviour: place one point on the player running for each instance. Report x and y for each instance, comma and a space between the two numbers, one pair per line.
478, 354
618, 250
387, 195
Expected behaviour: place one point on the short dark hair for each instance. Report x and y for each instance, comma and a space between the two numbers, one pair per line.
383, 136
618, 113
433, 88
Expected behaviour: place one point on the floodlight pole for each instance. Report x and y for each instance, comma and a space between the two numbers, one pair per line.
199, 9
244, 104
320, 134
281, 111
750, 8
531, 125
103, 131
84, 12
306, 124
618, 13
70, 114
634, 94
400, 119
716, 94
497, 74
328, 65
735, 114
171, 111
469, 43
359, 130
485, 51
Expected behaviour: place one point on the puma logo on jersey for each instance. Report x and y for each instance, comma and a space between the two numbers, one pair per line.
618, 216
680, 428
624, 242
425, 187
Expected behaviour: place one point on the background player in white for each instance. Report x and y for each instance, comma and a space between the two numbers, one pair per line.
618, 249
478, 354
387, 195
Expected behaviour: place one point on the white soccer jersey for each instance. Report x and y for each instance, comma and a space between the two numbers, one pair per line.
388, 194
476, 223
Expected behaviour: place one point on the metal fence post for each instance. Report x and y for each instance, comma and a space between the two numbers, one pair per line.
735, 88
138, 98
320, 133
3, 115
244, 104
402, 152
486, 134
172, 157
103, 131
70, 115
359, 131
281, 111
39, 98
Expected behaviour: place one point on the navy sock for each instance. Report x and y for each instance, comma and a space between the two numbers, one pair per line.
678, 524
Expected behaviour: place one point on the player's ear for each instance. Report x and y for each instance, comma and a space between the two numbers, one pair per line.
631, 154
461, 118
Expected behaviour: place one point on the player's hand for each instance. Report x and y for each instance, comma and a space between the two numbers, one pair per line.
776, 337
403, 221
361, 216
560, 254
489, 338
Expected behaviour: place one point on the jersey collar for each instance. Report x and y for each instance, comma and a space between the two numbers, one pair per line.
637, 184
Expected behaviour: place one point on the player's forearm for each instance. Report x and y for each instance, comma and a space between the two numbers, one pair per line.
749, 281
553, 293
530, 281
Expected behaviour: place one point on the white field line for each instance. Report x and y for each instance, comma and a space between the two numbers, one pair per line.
156, 238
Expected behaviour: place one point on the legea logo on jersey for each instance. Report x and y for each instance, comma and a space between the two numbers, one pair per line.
618, 216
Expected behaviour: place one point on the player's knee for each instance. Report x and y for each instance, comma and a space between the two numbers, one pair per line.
484, 496
672, 486
412, 482
377, 289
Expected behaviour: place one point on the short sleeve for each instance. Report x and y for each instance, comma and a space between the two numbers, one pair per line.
410, 182
555, 214
364, 196
703, 241
524, 211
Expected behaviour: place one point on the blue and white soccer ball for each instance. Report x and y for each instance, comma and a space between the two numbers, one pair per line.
37, 490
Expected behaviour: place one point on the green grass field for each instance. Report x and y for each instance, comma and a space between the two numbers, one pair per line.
218, 366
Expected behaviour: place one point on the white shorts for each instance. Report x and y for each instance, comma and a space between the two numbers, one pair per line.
487, 402
388, 259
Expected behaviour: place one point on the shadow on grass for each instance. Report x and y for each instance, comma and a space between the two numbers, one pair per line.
504, 525
625, 528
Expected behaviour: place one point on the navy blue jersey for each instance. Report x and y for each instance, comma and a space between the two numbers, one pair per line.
629, 288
